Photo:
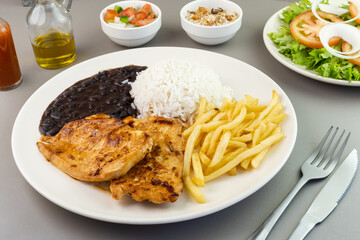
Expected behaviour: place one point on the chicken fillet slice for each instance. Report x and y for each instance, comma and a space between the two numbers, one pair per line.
96, 148
156, 178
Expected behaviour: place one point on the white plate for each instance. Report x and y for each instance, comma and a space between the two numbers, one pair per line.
85, 199
273, 25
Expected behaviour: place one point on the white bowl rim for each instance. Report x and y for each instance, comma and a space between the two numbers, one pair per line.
208, 27
128, 1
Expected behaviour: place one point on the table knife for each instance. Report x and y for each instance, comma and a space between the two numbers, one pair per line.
329, 197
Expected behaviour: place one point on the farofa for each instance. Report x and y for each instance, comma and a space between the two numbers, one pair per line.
214, 17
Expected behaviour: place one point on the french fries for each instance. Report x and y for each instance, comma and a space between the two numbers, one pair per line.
239, 134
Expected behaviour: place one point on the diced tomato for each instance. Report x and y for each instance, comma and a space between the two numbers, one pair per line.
139, 18
146, 8
128, 12
151, 16
110, 15
306, 27
140, 15
144, 22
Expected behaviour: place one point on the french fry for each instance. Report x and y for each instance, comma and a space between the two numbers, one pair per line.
251, 100
269, 129
210, 106
277, 119
219, 116
239, 134
232, 172
190, 145
258, 132
237, 109
255, 161
226, 106
194, 190
205, 160
245, 164
204, 118
212, 126
275, 111
263, 114
198, 178
255, 108
227, 158
246, 154
220, 149
206, 142
231, 155
200, 138
236, 144
228, 126
243, 138
202, 107
239, 130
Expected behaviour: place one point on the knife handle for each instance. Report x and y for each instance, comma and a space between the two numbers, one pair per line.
303, 228
262, 232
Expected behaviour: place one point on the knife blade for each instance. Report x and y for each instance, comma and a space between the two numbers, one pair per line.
329, 197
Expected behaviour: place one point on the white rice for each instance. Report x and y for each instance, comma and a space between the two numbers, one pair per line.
173, 89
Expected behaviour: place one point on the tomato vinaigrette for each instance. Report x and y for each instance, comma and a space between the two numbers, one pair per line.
130, 17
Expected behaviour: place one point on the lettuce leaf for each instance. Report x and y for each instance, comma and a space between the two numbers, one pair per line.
294, 10
318, 60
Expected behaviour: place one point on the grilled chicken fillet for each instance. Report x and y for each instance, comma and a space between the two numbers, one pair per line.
156, 178
96, 148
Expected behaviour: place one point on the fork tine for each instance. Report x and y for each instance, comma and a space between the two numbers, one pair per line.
331, 164
327, 159
317, 150
321, 158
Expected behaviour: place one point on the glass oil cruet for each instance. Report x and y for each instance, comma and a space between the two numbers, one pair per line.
50, 29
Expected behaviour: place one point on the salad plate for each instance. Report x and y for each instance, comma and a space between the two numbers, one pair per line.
90, 201
273, 25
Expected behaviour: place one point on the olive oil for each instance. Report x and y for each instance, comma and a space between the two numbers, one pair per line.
54, 50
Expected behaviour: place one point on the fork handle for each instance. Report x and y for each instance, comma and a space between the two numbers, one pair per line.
262, 232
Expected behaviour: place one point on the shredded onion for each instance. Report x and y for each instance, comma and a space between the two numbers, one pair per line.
347, 32
333, 9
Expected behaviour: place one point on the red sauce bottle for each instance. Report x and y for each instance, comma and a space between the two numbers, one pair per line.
10, 74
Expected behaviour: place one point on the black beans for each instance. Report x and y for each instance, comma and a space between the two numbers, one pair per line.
106, 92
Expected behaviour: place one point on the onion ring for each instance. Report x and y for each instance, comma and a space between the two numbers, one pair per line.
347, 32
316, 3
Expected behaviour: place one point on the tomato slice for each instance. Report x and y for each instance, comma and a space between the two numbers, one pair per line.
110, 15
354, 11
346, 47
306, 27
128, 12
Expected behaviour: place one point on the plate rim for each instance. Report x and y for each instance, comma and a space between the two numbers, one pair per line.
273, 50
160, 220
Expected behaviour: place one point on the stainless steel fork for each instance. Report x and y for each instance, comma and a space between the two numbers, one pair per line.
319, 165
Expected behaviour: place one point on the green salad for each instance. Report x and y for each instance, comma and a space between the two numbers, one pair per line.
316, 59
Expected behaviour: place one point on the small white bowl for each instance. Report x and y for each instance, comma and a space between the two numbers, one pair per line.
131, 37
211, 35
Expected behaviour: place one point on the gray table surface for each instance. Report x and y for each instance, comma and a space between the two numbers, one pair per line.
25, 214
